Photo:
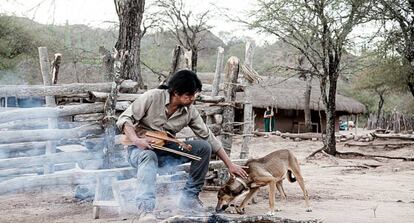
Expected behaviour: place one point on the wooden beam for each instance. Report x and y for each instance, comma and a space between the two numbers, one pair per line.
78, 176
393, 136
34, 170
101, 96
210, 99
63, 157
308, 135
48, 134
209, 110
60, 90
68, 178
88, 117
67, 110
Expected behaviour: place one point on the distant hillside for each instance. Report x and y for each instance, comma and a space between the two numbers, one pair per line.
79, 45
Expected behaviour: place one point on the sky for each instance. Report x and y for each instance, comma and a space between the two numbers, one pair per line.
101, 13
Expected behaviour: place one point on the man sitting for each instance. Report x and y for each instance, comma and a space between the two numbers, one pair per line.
170, 108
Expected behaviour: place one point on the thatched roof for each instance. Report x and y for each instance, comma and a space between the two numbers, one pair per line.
289, 94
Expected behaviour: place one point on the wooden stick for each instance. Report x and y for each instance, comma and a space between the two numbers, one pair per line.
124, 140
176, 152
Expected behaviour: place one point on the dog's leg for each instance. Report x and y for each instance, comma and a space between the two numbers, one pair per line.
279, 187
271, 181
240, 209
296, 171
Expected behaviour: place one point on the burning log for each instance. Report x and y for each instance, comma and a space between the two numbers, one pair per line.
61, 90
237, 218
48, 134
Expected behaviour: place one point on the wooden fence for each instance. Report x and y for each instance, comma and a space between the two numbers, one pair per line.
61, 144
395, 122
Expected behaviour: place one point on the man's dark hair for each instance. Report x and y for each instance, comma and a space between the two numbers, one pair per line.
183, 82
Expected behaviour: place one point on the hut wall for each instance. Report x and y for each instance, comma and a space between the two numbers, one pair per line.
288, 120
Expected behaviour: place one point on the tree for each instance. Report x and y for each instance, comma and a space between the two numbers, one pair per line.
130, 14
318, 29
188, 28
376, 78
397, 17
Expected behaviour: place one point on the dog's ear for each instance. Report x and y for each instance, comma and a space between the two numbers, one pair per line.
231, 176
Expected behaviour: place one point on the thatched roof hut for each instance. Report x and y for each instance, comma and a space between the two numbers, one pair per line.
283, 93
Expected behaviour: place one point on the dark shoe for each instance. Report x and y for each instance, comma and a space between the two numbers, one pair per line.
190, 204
147, 217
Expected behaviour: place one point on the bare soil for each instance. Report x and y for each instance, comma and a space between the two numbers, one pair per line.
341, 190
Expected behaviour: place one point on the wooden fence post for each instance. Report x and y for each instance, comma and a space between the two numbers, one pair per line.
55, 67
248, 107
180, 60
231, 75
217, 74
50, 102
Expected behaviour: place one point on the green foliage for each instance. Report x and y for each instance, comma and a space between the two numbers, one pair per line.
15, 42
382, 75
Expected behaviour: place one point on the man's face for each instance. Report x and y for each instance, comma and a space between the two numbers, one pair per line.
187, 99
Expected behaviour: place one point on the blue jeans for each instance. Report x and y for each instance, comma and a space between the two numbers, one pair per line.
148, 161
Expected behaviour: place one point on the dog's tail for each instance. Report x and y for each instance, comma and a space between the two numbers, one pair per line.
290, 176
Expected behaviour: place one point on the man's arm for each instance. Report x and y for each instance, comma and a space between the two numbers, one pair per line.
133, 114
142, 143
233, 168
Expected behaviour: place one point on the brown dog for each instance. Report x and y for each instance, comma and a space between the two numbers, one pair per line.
269, 170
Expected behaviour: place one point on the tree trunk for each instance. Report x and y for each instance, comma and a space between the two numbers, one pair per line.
194, 58
330, 141
130, 14
380, 104
411, 87
308, 121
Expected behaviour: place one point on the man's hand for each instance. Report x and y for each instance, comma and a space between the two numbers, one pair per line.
238, 171
143, 143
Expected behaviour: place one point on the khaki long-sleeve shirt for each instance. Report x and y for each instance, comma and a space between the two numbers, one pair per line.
149, 112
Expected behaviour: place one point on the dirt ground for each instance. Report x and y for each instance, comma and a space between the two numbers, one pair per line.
341, 190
